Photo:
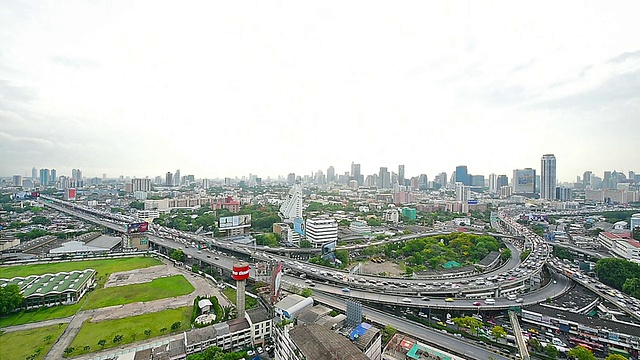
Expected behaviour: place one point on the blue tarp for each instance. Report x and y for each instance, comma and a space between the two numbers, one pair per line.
359, 331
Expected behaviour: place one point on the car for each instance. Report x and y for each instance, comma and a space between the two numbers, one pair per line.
260, 350
425, 299
407, 300
519, 300
441, 323
477, 303
449, 300
251, 353
345, 290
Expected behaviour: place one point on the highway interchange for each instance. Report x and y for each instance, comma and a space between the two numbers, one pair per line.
330, 285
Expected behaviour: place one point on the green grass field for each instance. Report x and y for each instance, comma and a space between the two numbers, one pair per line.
20, 344
160, 288
106, 266
249, 302
91, 333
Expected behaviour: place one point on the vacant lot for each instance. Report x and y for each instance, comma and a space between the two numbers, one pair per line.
249, 302
103, 267
20, 344
160, 288
47, 313
131, 328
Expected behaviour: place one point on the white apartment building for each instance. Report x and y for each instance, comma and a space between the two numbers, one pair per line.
320, 231
261, 324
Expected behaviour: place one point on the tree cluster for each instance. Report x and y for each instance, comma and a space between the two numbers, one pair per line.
10, 299
620, 274
216, 353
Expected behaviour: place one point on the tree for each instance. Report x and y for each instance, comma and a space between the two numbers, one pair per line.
68, 350
343, 256
551, 351
118, 338
102, 342
163, 329
41, 220
614, 272
306, 292
147, 332
535, 344
177, 255
137, 205
175, 326
615, 357
10, 299
86, 348
387, 333
580, 353
305, 244
498, 332
134, 335
47, 339
505, 254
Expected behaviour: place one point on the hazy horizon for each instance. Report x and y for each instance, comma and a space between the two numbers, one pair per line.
227, 89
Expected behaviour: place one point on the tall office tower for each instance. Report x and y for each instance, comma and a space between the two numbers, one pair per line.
442, 180
632, 175
423, 182
291, 178
168, 179
524, 181
384, 178
206, 184
462, 192
176, 178
157, 180
564, 193
415, 183
17, 180
331, 174
54, 176
63, 182
319, 177
141, 185
291, 208
503, 180
34, 174
462, 175
104, 176
44, 177
586, 179
548, 179
493, 183
355, 173
477, 181
401, 174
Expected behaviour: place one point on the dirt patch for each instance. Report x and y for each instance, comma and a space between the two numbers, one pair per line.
139, 276
388, 267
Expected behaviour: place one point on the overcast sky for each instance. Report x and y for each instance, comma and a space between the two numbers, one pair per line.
228, 88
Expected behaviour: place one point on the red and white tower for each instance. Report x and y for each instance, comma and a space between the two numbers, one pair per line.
240, 275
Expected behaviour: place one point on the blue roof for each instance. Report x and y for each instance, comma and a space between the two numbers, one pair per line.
359, 331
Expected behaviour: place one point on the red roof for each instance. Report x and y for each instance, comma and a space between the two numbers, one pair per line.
634, 243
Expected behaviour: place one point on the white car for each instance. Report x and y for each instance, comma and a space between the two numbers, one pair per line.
406, 300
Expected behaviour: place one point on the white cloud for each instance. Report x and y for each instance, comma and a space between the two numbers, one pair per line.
220, 89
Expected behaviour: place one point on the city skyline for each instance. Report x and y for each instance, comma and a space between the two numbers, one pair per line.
231, 89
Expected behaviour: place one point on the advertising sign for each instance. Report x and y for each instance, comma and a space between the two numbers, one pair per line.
138, 227
298, 226
232, 221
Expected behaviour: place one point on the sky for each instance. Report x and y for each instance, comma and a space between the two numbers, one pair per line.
229, 88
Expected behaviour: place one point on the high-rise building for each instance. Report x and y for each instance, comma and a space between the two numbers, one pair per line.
34, 174
548, 179
44, 177
564, 193
168, 179
586, 179
17, 180
355, 173
493, 184
423, 182
321, 231
384, 178
331, 174
503, 180
54, 176
462, 175
319, 177
524, 181
442, 180
291, 208
462, 192
141, 185
401, 174
477, 181
291, 178
176, 178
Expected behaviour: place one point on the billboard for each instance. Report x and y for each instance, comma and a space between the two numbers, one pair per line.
138, 227
298, 226
472, 202
328, 251
234, 221
276, 283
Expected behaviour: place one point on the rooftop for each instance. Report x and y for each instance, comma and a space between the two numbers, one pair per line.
258, 315
319, 343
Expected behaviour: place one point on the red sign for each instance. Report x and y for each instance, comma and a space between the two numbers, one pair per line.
240, 272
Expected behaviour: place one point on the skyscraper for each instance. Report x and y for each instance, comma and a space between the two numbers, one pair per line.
44, 177
168, 180
493, 183
34, 174
176, 178
548, 180
54, 176
384, 178
401, 174
524, 181
355, 173
331, 174
586, 179
462, 175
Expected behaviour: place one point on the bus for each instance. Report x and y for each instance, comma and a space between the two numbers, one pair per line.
589, 345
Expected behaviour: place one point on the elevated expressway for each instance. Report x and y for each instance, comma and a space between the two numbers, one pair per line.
360, 286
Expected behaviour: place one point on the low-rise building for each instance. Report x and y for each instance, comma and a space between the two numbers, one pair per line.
261, 324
